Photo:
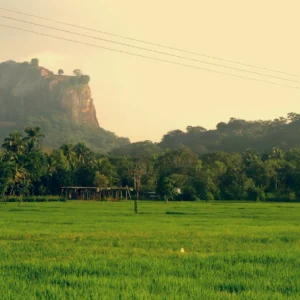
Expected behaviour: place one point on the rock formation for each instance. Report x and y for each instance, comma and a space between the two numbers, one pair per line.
31, 90
62, 106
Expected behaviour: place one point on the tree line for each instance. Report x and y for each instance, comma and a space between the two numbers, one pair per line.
237, 135
25, 169
234, 136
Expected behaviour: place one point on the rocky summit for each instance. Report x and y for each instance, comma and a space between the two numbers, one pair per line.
31, 95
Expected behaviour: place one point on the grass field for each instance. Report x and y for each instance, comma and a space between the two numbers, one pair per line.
101, 250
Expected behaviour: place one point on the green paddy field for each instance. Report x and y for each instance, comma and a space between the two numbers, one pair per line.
102, 250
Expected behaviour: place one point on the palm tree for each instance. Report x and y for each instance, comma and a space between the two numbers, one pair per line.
51, 164
33, 138
83, 153
68, 151
14, 143
19, 176
251, 158
5, 178
51, 167
277, 153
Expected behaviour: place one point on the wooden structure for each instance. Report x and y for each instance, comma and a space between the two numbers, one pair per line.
94, 193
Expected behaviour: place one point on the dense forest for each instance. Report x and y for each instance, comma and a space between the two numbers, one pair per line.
173, 173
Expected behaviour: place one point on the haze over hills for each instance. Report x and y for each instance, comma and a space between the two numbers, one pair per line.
61, 105
237, 135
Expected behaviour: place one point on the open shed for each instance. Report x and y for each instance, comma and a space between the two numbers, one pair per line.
95, 193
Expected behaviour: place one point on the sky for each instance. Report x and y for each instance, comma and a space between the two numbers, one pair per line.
144, 99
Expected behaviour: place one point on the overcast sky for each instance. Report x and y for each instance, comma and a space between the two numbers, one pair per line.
143, 99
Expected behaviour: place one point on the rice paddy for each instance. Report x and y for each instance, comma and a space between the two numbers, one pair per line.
102, 250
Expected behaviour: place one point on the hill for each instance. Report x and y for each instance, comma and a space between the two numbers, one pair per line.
237, 135
62, 106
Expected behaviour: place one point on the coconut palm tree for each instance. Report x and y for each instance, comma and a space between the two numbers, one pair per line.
19, 179
68, 151
82, 152
14, 143
33, 138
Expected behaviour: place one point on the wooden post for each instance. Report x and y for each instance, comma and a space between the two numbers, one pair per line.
128, 193
135, 206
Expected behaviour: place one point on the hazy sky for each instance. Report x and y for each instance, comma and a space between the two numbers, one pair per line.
143, 99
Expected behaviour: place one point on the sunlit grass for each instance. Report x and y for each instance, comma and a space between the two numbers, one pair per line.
96, 250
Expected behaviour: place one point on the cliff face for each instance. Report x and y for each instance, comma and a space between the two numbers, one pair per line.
27, 90
78, 103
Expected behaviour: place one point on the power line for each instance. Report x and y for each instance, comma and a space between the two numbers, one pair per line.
148, 57
145, 42
150, 50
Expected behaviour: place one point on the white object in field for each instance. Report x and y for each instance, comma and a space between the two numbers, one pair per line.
182, 250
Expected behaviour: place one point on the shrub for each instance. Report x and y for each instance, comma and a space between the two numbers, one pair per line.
36, 199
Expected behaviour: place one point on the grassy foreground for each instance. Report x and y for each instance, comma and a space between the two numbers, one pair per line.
95, 250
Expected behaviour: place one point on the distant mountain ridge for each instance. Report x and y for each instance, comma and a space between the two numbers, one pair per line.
61, 105
237, 135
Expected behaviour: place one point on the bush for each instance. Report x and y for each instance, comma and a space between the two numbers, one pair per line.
256, 194
36, 199
209, 196
283, 196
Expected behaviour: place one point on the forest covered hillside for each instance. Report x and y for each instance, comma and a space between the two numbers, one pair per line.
237, 135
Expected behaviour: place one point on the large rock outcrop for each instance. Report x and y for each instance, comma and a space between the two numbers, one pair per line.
62, 106
28, 90
78, 104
